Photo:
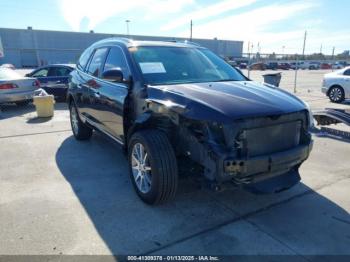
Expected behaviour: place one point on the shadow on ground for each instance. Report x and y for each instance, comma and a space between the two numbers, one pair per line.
98, 173
13, 110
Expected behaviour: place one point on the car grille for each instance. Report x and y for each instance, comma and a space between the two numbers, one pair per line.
272, 139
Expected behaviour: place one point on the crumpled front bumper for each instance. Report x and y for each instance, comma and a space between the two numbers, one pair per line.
260, 170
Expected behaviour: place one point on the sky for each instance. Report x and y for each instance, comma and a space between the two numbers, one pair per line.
268, 25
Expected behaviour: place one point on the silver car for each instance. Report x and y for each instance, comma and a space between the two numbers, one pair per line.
15, 88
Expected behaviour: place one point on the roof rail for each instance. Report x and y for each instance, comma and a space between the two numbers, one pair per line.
182, 41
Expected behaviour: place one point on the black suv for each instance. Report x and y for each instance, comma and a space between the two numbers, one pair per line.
165, 101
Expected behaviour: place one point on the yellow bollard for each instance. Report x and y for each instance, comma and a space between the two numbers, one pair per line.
44, 105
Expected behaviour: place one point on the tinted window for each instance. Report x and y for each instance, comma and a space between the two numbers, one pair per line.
59, 71
172, 65
96, 61
347, 72
41, 73
84, 58
116, 60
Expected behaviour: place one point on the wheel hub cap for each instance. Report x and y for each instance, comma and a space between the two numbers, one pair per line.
335, 94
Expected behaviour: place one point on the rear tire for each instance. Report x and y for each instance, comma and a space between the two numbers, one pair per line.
153, 166
336, 94
80, 130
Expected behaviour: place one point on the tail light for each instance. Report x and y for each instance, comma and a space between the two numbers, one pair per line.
7, 86
36, 83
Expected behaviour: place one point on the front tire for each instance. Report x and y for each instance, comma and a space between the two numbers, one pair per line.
153, 166
336, 94
80, 130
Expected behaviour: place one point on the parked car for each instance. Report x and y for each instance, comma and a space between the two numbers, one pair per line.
284, 66
257, 66
336, 85
300, 65
293, 65
337, 66
53, 79
10, 66
242, 65
15, 88
272, 65
232, 63
308, 65
163, 100
314, 65
325, 66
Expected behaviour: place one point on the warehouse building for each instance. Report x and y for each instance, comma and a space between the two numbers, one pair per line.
32, 48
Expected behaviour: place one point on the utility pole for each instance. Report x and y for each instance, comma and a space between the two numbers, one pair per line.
127, 27
304, 45
321, 48
248, 64
296, 63
333, 56
191, 28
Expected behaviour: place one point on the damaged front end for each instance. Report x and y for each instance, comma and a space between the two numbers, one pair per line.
263, 154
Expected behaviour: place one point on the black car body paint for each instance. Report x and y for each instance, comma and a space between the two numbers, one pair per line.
241, 132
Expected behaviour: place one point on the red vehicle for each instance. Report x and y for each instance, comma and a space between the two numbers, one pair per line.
325, 66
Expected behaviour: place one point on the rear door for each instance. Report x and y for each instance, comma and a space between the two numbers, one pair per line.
93, 85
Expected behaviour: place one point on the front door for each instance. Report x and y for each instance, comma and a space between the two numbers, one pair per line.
109, 97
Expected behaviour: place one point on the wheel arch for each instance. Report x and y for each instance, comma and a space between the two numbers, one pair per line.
150, 120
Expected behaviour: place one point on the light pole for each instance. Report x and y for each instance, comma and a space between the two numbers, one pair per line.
296, 64
127, 27
191, 28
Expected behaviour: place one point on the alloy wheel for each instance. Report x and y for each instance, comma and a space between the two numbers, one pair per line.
141, 169
74, 120
335, 94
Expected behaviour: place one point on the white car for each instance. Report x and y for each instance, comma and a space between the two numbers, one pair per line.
336, 85
15, 88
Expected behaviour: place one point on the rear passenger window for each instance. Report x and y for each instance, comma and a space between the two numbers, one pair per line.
96, 62
116, 60
347, 72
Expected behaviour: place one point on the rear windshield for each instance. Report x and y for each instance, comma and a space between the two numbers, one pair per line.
176, 65
6, 73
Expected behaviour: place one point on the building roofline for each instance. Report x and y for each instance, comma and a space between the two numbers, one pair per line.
122, 35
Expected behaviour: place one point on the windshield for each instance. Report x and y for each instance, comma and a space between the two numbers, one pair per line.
176, 65
6, 73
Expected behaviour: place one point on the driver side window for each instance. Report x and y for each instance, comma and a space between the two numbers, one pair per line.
116, 60
347, 72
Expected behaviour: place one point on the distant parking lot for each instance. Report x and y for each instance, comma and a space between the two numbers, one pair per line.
61, 196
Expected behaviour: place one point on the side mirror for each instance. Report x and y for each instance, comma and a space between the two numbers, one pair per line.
113, 75
27, 75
